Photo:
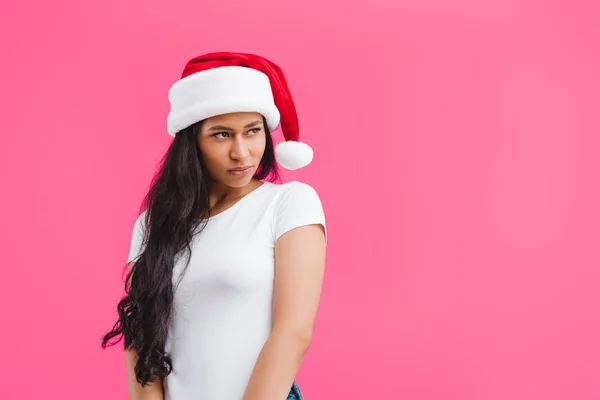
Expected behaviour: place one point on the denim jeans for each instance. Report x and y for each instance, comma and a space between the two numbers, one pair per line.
295, 393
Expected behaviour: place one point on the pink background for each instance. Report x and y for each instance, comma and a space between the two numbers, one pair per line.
456, 155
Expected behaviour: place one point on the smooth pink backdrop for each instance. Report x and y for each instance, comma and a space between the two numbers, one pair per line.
456, 152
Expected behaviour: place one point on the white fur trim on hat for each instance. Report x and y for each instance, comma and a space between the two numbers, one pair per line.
293, 155
218, 91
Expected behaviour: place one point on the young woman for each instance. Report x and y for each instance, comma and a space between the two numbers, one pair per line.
226, 265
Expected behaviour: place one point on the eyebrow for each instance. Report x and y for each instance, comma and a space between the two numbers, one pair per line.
226, 128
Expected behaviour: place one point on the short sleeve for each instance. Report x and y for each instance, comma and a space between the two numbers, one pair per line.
298, 205
135, 249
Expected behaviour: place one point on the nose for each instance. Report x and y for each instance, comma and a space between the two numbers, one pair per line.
239, 149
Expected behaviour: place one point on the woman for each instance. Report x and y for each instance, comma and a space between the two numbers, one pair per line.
226, 266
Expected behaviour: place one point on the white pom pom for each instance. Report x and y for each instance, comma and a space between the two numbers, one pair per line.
293, 155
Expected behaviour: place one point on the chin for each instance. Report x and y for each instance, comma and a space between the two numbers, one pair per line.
239, 182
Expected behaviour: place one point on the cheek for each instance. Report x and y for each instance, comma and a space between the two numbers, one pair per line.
258, 146
213, 154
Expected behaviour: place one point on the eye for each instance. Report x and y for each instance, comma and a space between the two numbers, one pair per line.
254, 131
226, 134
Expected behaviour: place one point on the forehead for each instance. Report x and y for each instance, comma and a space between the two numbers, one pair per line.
234, 120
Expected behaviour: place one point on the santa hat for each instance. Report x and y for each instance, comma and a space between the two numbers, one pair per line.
220, 83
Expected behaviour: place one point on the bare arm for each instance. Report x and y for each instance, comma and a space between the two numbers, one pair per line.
299, 269
152, 391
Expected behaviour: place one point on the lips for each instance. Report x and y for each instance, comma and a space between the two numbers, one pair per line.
240, 169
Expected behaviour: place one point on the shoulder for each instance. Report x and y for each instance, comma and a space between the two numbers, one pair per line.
296, 196
297, 189
297, 203
140, 222
137, 237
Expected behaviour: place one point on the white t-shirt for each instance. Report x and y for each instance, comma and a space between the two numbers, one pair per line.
222, 309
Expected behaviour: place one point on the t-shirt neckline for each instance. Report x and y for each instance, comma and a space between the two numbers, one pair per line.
238, 203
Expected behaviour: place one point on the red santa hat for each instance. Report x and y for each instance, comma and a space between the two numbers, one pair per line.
220, 83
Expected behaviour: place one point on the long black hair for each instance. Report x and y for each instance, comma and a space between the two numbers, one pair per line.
177, 204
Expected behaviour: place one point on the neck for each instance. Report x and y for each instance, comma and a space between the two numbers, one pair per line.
222, 195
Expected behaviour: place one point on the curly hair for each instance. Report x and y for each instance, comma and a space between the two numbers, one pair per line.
177, 205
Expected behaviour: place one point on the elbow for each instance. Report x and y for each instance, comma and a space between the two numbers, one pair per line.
304, 339
299, 338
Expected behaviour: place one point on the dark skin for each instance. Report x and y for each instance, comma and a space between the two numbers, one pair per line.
227, 142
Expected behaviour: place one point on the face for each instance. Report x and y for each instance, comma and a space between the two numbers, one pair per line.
232, 146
